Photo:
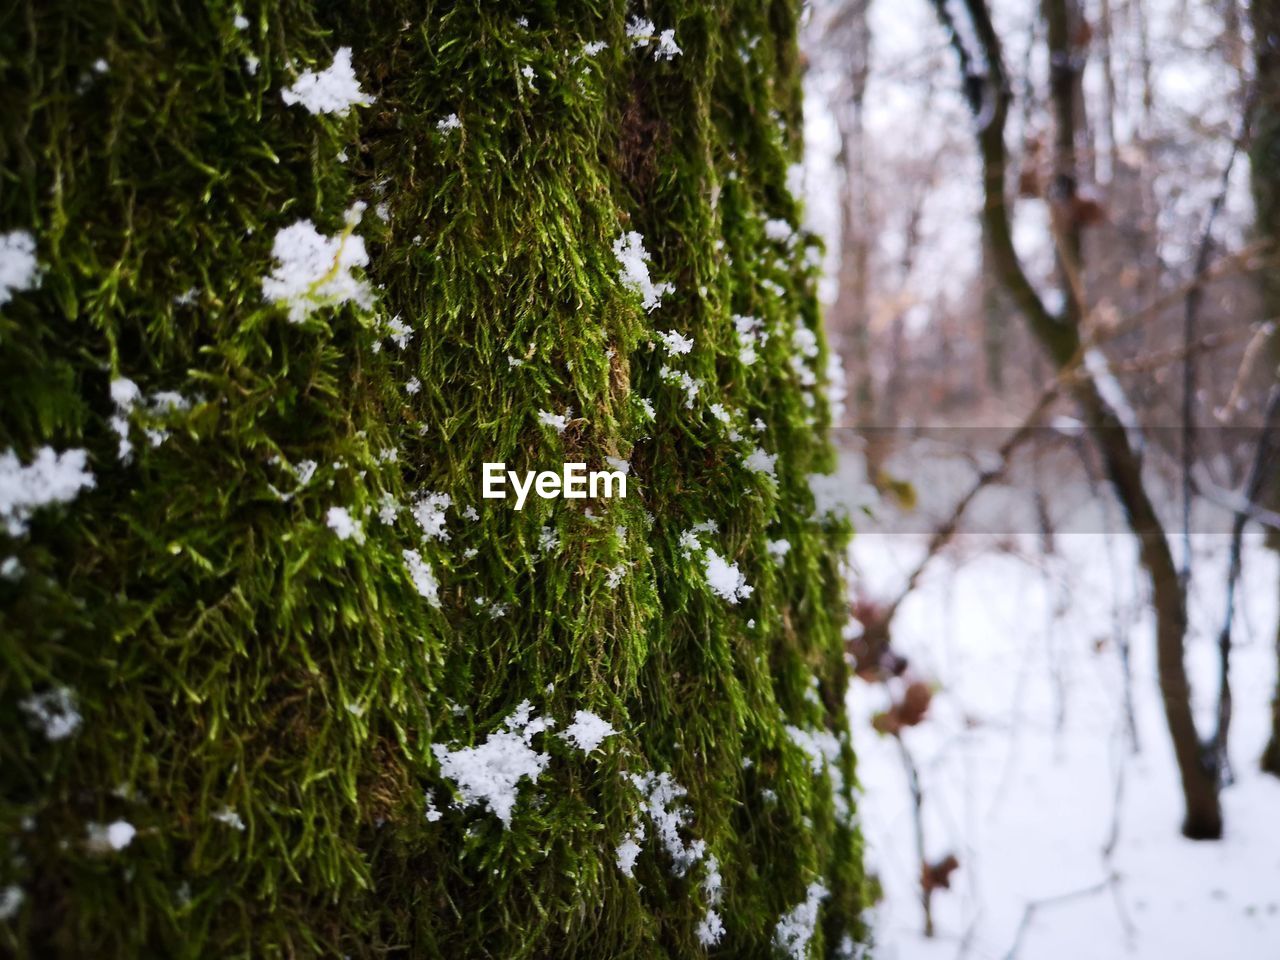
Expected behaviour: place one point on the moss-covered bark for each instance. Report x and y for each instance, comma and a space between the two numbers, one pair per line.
259, 695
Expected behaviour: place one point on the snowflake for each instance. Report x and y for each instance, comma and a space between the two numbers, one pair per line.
114, 836
778, 230
18, 269
628, 851
805, 342
334, 90
666, 49
11, 898
491, 772
795, 928
55, 710
587, 731
634, 273
662, 796
314, 271
429, 512
725, 579
760, 462
399, 331
229, 816
49, 479
558, 421
710, 929
344, 525
423, 577
675, 343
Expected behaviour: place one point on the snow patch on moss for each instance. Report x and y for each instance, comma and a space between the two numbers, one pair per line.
332, 90
55, 711
633, 260
17, 263
491, 773
51, 478
423, 577
314, 271
587, 731
725, 579
795, 929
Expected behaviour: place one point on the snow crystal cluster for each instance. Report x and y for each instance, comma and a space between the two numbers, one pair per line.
710, 929
341, 522
725, 579
112, 836
17, 263
49, 479
55, 711
587, 731
11, 898
429, 512
779, 231
751, 338
388, 508
795, 928
760, 462
643, 33
431, 813
675, 343
399, 332
662, 804
314, 271
129, 400
491, 772
681, 379
232, 819
628, 851
634, 270
557, 421
423, 577
805, 343
334, 90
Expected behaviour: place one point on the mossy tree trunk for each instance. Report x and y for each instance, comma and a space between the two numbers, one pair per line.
242, 670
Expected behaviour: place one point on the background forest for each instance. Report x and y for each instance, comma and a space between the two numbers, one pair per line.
1051, 279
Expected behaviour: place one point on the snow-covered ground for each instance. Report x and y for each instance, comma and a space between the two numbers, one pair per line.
1027, 765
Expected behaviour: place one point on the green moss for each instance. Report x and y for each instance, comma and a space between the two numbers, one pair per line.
227, 650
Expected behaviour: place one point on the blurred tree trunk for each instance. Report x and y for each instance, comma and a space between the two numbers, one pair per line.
283, 684
1060, 336
1264, 157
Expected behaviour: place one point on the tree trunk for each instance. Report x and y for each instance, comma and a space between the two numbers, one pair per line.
277, 680
1264, 157
1059, 336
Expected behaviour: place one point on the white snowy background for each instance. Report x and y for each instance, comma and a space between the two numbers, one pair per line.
1029, 774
